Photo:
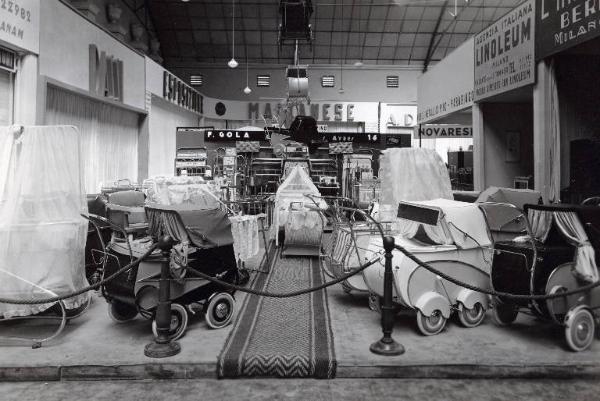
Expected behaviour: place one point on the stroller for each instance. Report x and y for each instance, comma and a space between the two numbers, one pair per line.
452, 237
203, 242
558, 254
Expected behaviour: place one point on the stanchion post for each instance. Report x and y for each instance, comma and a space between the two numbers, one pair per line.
386, 345
162, 346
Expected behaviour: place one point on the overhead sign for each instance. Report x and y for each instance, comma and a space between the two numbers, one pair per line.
178, 92
443, 131
106, 74
234, 135
320, 112
353, 137
564, 24
439, 96
397, 140
20, 24
504, 53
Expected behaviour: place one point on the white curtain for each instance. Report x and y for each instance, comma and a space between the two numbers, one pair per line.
109, 136
554, 135
585, 258
164, 120
540, 222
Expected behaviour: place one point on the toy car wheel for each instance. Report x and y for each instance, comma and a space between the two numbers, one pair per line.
219, 310
471, 317
179, 322
431, 325
120, 312
579, 328
504, 314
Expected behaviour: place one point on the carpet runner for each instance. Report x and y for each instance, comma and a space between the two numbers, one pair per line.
282, 337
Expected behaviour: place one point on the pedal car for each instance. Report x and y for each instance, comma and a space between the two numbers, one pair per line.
452, 237
558, 254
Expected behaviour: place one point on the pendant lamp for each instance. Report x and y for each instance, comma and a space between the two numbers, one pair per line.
247, 89
232, 63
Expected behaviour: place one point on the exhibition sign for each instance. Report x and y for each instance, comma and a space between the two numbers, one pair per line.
443, 131
505, 53
234, 135
20, 23
564, 24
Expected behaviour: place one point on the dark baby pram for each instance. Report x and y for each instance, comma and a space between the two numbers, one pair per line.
558, 255
203, 241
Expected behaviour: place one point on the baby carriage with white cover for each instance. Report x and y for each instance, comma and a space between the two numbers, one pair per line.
42, 235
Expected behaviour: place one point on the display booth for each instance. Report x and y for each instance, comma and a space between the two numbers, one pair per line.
568, 54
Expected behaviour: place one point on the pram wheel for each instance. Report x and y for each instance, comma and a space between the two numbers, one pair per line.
219, 310
504, 314
471, 317
120, 312
431, 325
179, 322
579, 328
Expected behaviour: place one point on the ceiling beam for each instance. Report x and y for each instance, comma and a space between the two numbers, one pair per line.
432, 40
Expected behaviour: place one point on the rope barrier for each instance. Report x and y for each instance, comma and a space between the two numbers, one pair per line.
493, 292
83, 290
279, 294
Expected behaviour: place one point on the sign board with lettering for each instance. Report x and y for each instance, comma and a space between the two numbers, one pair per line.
429, 131
20, 24
106, 74
397, 140
353, 137
439, 96
234, 135
178, 92
504, 53
563, 24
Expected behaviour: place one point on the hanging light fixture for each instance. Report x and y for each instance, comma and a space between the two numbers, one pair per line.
232, 63
359, 62
247, 89
341, 90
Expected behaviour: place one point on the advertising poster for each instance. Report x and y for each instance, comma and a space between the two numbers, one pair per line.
504, 53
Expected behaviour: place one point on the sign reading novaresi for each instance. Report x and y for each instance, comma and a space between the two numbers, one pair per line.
504, 53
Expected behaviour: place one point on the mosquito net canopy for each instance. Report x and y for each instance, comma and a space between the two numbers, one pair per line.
42, 235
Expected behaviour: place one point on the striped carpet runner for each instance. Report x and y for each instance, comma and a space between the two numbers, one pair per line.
282, 337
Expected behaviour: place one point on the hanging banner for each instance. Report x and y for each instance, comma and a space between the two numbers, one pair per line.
564, 24
443, 131
504, 53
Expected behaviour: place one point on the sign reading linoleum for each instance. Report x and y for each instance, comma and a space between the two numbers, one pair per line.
504, 53
19, 24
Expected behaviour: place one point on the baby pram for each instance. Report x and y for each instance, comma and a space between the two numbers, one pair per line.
558, 254
452, 237
203, 242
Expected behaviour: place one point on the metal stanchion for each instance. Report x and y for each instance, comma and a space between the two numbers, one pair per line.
162, 346
386, 345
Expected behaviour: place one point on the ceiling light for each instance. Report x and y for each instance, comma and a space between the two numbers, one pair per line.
358, 64
247, 90
232, 63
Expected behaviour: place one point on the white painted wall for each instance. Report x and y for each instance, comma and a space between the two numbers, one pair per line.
65, 37
448, 86
364, 84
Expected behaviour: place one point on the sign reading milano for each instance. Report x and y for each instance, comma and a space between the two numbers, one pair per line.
563, 24
504, 53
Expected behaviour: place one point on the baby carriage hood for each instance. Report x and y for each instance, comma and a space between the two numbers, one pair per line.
42, 235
